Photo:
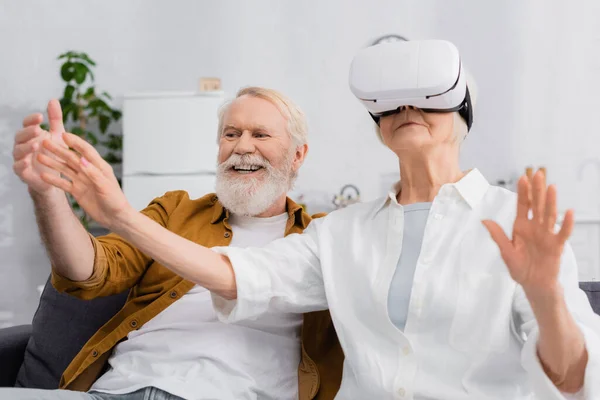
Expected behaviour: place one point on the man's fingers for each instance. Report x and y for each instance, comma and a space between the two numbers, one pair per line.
28, 133
33, 119
24, 149
21, 165
58, 182
55, 117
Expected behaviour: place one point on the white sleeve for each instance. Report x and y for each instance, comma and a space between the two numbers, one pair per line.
283, 276
589, 323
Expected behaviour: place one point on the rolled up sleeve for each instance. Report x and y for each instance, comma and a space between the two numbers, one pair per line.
118, 264
284, 276
63, 284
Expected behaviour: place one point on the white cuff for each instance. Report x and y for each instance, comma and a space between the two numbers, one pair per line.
253, 288
575, 396
591, 383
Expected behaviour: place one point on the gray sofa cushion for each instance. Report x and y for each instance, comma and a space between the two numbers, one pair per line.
592, 289
13, 342
61, 326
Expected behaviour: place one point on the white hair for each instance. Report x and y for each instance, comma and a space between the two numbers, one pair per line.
296, 120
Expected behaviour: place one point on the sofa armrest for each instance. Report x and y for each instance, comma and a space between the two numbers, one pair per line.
13, 341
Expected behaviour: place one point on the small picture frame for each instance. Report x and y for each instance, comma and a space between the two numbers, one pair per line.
210, 84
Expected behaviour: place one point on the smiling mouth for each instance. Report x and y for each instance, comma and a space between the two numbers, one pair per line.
246, 169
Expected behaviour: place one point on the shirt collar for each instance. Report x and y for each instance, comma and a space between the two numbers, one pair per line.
296, 214
471, 188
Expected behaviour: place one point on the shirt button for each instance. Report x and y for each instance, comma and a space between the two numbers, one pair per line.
406, 350
438, 216
95, 353
133, 323
227, 234
173, 294
401, 392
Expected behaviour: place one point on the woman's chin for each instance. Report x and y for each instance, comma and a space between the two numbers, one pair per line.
409, 141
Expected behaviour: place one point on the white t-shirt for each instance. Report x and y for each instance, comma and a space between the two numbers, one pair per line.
187, 352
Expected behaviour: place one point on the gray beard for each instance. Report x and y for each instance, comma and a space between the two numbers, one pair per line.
252, 196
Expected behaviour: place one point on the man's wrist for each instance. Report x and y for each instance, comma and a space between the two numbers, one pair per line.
48, 197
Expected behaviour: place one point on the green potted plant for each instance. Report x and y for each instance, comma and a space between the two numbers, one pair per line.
88, 114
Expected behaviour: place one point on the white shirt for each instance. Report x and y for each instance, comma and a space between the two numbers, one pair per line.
187, 352
467, 320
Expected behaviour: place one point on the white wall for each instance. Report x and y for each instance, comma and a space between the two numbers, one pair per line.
302, 48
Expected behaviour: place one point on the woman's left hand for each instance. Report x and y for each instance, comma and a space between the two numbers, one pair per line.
533, 255
89, 179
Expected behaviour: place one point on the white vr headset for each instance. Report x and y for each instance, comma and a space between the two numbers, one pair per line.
424, 74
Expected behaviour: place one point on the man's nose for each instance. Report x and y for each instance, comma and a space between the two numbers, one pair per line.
245, 144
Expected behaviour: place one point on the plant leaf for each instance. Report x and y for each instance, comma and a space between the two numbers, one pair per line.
104, 121
67, 71
98, 104
112, 158
91, 138
68, 94
70, 108
89, 93
78, 131
68, 54
81, 71
114, 142
85, 57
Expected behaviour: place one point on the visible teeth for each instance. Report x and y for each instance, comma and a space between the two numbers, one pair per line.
247, 168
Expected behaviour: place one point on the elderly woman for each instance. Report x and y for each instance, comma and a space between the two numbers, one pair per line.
429, 297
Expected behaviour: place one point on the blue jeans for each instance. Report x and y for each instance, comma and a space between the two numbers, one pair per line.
149, 393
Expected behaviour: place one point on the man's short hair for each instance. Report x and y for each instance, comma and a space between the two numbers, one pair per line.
297, 125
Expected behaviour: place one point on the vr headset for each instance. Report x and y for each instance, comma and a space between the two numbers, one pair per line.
424, 74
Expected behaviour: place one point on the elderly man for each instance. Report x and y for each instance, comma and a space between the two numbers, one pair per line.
167, 342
